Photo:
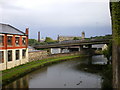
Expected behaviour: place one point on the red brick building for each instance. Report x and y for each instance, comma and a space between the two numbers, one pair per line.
13, 47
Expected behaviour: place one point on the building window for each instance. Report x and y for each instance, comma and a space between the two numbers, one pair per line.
9, 40
24, 41
23, 53
10, 55
17, 54
1, 40
17, 41
1, 57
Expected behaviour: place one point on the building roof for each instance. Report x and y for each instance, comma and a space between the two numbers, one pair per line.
8, 29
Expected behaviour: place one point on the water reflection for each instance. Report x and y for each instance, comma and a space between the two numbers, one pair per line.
90, 60
62, 75
20, 83
99, 59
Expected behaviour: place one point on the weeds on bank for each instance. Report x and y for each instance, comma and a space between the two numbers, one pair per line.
107, 78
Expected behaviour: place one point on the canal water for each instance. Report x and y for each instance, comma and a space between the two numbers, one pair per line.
62, 75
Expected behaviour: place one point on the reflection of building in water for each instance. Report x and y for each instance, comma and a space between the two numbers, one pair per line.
20, 83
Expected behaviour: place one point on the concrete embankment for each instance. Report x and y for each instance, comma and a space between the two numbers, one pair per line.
19, 71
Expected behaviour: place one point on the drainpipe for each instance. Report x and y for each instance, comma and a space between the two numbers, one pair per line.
5, 44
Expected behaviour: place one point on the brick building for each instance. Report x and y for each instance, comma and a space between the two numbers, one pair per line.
13, 47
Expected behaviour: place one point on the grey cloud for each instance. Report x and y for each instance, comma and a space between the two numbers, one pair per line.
9, 5
59, 17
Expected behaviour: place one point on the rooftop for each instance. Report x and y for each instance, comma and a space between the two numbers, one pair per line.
8, 29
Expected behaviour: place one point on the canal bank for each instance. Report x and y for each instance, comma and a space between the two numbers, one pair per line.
19, 71
67, 74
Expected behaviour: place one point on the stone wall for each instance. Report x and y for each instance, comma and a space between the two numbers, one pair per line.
37, 55
63, 54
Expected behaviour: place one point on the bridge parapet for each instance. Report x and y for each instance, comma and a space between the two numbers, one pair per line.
74, 43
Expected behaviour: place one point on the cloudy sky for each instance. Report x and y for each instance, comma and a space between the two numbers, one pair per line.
58, 17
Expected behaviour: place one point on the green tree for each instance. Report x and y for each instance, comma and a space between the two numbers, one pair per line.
76, 38
102, 37
48, 40
35, 42
32, 41
108, 52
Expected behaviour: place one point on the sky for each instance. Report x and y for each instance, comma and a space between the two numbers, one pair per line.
58, 17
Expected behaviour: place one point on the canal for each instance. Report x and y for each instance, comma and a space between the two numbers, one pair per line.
62, 75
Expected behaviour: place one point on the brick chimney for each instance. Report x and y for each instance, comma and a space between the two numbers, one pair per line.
27, 31
58, 38
39, 36
83, 35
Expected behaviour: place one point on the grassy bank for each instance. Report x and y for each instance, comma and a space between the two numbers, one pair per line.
16, 72
107, 78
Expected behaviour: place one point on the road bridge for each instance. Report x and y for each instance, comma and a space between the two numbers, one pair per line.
73, 43
83, 46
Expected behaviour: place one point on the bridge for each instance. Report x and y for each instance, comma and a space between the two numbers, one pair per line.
83, 46
73, 43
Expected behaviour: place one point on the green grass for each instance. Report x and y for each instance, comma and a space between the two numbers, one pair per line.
16, 72
107, 78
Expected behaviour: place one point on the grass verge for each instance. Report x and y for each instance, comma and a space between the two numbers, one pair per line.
107, 78
19, 71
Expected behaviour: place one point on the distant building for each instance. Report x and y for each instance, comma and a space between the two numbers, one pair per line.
13, 47
42, 39
100, 47
64, 38
105, 47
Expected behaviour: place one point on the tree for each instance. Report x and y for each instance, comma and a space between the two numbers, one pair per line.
115, 16
76, 38
32, 41
48, 39
108, 52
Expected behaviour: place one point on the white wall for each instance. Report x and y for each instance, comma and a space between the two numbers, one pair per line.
14, 62
55, 50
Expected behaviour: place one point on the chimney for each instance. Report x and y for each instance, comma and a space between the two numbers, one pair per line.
39, 36
83, 35
27, 31
58, 38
